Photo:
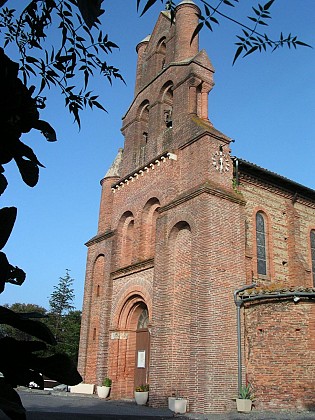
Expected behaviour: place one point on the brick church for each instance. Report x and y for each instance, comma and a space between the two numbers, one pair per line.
201, 274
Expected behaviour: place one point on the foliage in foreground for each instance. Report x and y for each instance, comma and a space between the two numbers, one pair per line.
250, 39
80, 52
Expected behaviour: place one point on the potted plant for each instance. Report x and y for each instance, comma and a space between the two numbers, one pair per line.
177, 404
142, 394
104, 390
245, 399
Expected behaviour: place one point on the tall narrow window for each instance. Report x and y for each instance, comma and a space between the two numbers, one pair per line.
261, 244
313, 254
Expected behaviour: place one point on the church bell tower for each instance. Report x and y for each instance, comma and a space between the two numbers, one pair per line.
157, 305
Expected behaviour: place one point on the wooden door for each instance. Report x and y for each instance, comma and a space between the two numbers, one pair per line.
142, 357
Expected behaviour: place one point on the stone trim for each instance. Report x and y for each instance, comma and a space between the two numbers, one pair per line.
133, 268
99, 238
203, 189
142, 170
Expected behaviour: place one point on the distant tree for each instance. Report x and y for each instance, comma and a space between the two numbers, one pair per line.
60, 303
68, 337
63, 320
61, 299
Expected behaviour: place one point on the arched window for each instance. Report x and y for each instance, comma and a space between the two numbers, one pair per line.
143, 115
313, 254
143, 320
261, 244
148, 228
125, 239
160, 54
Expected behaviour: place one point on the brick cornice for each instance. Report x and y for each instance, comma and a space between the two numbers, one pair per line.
133, 268
205, 188
99, 238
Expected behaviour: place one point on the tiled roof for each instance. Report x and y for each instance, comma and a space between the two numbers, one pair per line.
274, 179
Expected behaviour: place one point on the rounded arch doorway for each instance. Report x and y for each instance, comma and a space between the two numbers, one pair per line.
130, 350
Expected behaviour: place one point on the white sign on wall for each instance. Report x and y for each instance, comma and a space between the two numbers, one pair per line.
141, 359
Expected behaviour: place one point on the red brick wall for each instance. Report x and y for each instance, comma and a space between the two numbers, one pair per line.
280, 353
288, 225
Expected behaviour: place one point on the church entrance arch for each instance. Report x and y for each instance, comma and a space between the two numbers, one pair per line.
133, 354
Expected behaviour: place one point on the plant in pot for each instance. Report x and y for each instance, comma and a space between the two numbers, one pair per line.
104, 390
245, 398
177, 404
142, 394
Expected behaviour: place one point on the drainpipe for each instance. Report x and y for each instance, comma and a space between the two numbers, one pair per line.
238, 304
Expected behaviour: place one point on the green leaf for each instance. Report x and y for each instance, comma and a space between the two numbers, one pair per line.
149, 4
90, 11
30, 59
28, 170
60, 368
268, 5
208, 25
46, 130
238, 52
253, 19
196, 31
3, 183
251, 50
228, 3
98, 105
303, 44
207, 10
7, 220
29, 326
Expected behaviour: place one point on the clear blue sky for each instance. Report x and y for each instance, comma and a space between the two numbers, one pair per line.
266, 102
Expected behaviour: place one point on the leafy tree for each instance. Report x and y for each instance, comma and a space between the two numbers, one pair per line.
63, 320
63, 296
68, 334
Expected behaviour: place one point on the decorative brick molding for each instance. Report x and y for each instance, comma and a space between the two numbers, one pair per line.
99, 238
206, 188
133, 268
143, 170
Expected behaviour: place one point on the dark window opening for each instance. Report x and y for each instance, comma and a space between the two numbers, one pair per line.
261, 245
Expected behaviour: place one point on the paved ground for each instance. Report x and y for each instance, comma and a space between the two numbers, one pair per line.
66, 406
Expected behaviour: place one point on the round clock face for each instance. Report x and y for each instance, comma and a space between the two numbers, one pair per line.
221, 162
